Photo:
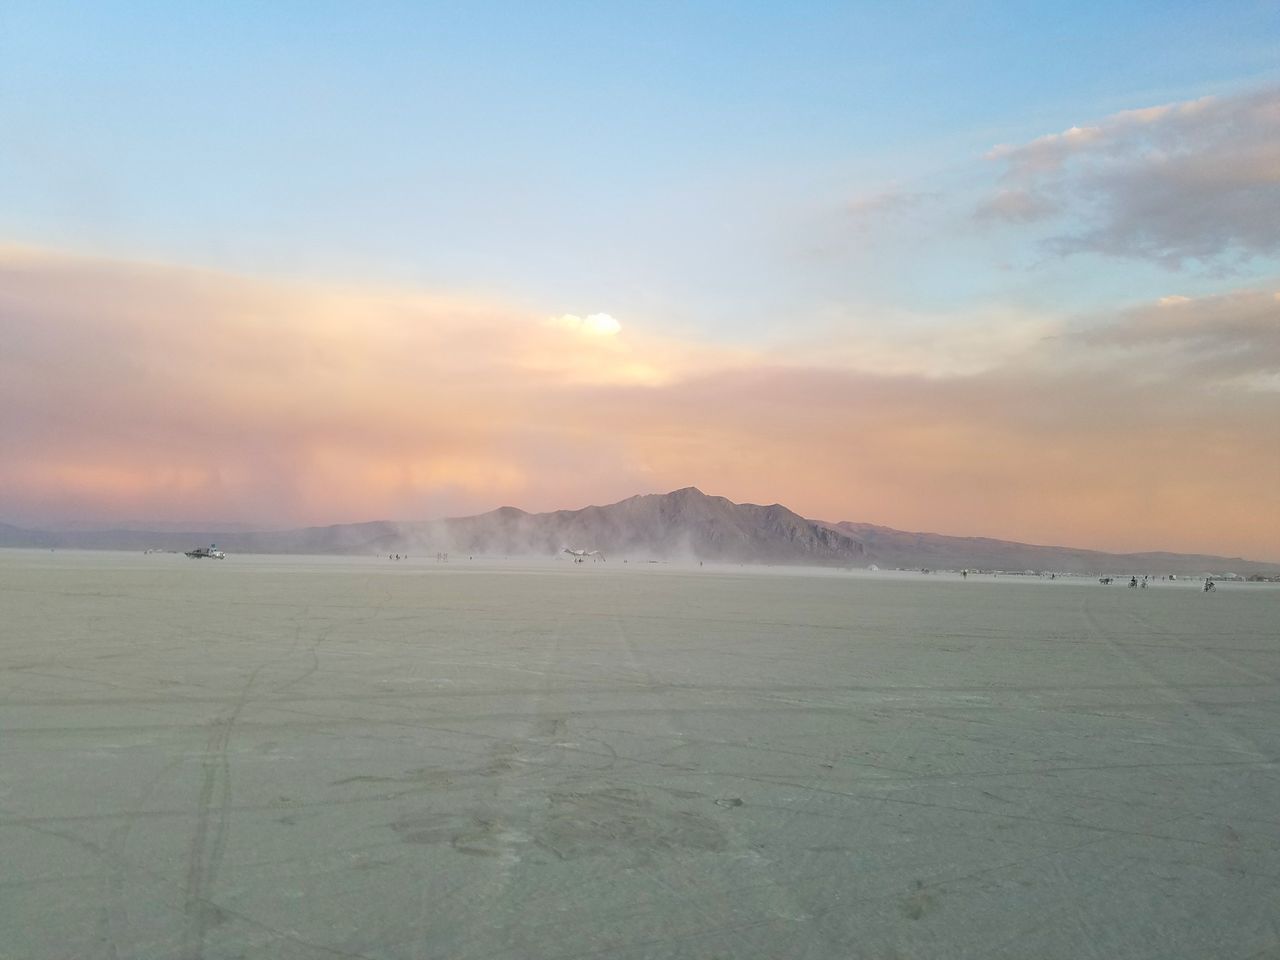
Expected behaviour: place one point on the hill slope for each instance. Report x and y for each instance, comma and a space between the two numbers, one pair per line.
898, 548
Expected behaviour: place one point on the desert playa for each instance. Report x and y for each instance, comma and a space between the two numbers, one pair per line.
314, 758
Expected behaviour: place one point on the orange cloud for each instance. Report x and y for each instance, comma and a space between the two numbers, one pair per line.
136, 392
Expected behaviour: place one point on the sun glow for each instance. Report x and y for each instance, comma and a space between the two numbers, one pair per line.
595, 324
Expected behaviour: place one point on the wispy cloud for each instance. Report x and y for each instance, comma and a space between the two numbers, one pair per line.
890, 202
130, 391
1196, 181
1017, 205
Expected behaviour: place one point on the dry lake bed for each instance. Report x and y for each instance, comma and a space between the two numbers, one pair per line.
315, 758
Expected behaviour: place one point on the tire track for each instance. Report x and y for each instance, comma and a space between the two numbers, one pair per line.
213, 808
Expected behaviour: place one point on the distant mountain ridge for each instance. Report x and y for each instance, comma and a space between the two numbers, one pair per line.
684, 524
936, 551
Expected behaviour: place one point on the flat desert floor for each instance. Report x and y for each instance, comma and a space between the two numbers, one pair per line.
317, 758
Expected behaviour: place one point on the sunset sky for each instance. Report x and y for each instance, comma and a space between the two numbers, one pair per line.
980, 269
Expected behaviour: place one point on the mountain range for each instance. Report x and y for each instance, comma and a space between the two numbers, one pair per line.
684, 524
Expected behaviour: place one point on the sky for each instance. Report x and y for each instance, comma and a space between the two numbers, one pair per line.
987, 269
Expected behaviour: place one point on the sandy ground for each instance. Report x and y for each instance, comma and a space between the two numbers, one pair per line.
285, 758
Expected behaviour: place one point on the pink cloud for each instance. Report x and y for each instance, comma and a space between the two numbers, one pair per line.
165, 393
